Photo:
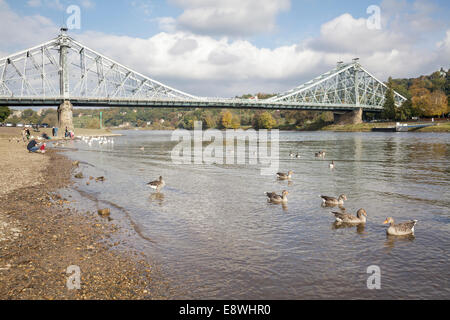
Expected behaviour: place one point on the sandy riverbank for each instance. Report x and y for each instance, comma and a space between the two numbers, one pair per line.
16, 133
40, 238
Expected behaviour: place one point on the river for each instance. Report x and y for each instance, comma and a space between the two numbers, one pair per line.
215, 236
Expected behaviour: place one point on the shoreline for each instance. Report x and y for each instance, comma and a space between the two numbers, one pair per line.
317, 127
40, 238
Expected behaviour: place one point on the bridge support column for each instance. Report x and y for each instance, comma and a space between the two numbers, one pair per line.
349, 117
65, 117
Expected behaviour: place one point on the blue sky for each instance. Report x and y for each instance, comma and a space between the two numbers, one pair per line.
138, 18
228, 47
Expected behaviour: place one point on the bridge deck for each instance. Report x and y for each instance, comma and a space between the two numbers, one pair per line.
172, 103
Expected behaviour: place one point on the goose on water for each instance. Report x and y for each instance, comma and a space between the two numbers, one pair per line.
361, 217
285, 176
401, 229
277, 199
334, 201
320, 154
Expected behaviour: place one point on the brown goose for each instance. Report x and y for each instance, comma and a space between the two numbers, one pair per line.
277, 199
349, 219
157, 185
284, 176
320, 154
333, 201
401, 229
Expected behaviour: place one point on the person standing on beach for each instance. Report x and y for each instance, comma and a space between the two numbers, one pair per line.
28, 134
24, 135
53, 132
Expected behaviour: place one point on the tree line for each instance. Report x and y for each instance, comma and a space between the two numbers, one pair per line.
427, 96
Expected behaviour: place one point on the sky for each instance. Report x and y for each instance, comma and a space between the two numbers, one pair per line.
225, 48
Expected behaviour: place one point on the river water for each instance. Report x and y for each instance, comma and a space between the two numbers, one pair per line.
215, 236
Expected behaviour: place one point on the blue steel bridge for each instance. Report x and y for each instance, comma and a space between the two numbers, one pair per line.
65, 73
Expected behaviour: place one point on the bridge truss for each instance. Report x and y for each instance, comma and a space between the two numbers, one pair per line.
347, 84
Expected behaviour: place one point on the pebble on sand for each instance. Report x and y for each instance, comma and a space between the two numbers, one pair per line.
104, 212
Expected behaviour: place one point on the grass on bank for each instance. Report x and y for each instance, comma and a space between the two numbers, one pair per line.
367, 127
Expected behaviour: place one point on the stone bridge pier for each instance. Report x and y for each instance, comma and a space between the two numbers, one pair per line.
348, 117
65, 117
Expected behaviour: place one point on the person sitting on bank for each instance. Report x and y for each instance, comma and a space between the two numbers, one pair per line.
45, 136
33, 146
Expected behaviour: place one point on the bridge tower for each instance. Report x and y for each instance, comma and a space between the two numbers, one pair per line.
65, 110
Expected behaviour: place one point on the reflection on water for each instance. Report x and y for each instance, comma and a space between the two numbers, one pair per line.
360, 228
217, 237
392, 240
157, 197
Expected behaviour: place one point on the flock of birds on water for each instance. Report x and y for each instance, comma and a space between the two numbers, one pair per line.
342, 218
99, 140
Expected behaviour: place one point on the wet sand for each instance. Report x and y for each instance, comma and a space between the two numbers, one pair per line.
40, 238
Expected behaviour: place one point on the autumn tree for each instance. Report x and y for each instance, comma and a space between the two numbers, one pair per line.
226, 119
236, 122
208, 121
438, 104
264, 121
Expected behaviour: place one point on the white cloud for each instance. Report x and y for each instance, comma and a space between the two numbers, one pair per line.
346, 34
167, 24
229, 17
444, 46
34, 3
21, 31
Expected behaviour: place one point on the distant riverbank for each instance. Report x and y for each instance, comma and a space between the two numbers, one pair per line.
323, 126
367, 127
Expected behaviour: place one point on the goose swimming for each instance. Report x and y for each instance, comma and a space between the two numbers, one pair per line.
349, 219
285, 176
277, 199
333, 201
401, 229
